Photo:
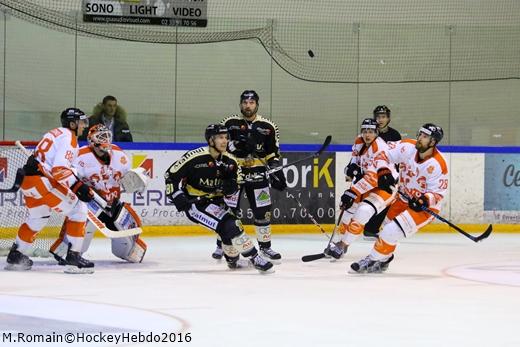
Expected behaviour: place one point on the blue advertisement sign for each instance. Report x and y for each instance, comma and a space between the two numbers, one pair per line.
502, 182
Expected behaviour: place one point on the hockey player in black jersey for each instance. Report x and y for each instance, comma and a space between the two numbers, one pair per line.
254, 141
197, 184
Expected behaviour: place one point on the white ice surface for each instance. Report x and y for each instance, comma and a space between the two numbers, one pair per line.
441, 290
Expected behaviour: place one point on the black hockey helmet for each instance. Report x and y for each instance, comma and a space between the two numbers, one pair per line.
249, 94
369, 123
72, 114
432, 130
381, 109
214, 129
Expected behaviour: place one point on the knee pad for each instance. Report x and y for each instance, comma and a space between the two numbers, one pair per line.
377, 202
406, 222
36, 224
131, 249
230, 227
391, 233
364, 212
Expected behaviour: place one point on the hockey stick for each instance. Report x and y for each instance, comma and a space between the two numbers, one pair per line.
20, 174
484, 235
281, 167
312, 257
91, 216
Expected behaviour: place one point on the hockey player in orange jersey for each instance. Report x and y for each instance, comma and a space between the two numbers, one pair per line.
423, 176
370, 193
50, 184
102, 165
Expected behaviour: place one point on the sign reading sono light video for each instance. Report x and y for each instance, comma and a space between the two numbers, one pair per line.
188, 13
502, 188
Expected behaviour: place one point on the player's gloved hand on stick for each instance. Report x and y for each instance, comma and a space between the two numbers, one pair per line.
347, 199
181, 202
245, 143
354, 172
82, 191
385, 180
277, 178
229, 186
417, 204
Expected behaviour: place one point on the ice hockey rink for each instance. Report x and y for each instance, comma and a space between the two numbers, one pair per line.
441, 290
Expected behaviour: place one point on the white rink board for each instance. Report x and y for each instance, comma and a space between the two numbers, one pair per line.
463, 203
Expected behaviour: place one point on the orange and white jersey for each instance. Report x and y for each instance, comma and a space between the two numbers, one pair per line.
56, 152
371, 159
102, 177
416, 177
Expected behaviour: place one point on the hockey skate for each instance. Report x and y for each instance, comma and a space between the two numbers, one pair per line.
335, 250
262, 265
76, 264
218, 253
17, 261
271, 255
235, 263
367, 265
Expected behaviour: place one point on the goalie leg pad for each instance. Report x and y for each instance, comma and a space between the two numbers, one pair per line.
127, 218
131, 249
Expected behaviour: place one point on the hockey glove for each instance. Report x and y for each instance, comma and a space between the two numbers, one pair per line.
418, 204
245, 143
385, 180
354, 172
181, 202
229, 186
277, 178
82, 191
347, 199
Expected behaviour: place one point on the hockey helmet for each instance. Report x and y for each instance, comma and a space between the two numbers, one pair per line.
381, 109
432, 130
214, 129
249, 95
369, 123
72, 114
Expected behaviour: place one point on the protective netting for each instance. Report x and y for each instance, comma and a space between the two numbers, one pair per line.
337, 41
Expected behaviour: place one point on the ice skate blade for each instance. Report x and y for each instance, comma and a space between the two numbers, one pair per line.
76, 270
16, 267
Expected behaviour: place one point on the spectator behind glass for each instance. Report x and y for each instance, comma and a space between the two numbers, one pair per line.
113, 116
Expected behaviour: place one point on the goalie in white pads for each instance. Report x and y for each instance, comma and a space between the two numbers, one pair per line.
103, 166
374, 177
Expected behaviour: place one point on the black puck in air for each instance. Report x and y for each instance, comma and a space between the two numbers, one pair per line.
310, 53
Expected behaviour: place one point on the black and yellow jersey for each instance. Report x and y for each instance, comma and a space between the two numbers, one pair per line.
198, 174
265, 134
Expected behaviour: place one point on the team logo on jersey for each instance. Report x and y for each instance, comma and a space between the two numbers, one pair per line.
430, 169
3, 169
141, 160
